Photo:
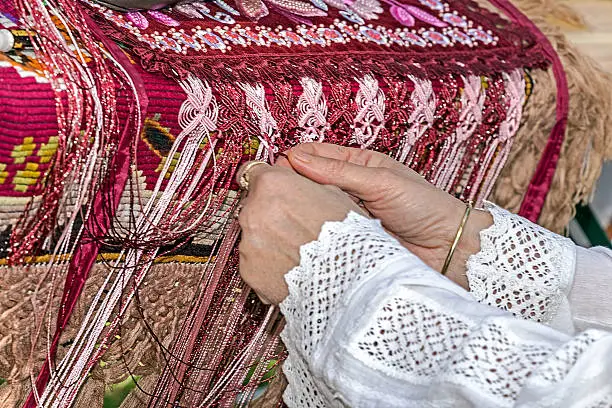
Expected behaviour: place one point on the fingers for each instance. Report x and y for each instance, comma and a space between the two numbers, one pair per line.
283, 161
359, 181
249, 170
367, 158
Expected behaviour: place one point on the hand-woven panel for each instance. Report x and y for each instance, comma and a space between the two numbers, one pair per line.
441, 86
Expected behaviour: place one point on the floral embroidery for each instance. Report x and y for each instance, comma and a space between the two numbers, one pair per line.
450, 28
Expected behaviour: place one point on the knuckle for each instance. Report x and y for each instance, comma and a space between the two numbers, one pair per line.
243, 249
341, 150
385, 174
267, 180
388, 179
334, 189
336, 166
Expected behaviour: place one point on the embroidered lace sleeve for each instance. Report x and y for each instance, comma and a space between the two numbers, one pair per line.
524, 269
370, 325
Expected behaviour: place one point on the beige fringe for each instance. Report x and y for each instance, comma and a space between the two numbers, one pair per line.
563, 15
165, 296
92, 394
588, 141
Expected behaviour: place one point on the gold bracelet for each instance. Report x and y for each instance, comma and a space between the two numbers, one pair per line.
466, 215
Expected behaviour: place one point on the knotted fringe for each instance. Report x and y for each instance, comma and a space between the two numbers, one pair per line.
256, 100
198, 118
312, 105
209, 359
370, 116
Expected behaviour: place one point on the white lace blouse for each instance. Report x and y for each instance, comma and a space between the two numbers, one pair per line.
370, 325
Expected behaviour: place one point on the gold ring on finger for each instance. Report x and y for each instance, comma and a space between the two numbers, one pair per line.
243, 181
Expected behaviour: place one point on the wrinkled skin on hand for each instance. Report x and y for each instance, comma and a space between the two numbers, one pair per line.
421, 216
288, 203
281, 212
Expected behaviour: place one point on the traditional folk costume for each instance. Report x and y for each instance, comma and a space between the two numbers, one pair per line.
123, 131
370, 325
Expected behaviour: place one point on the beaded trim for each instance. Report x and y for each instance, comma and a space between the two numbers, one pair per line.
453, 29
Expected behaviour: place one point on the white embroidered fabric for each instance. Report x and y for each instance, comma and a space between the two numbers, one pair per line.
370, 325
523, 268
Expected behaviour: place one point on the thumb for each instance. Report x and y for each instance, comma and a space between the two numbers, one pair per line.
359, 181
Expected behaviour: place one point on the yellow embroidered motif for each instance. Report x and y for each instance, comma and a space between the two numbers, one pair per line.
25, 149
3, 173
47, 150
27, 177
24, 154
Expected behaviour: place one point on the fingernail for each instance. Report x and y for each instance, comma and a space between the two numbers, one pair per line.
303, 157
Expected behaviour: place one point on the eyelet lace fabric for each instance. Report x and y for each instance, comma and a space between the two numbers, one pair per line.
330, 270
521, 267
409, 339
345, 254
368, 325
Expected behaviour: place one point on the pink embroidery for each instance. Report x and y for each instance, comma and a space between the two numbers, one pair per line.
138, 20
163, 18
402, 15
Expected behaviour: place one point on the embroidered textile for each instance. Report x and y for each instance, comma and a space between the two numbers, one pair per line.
416, 37
440, 86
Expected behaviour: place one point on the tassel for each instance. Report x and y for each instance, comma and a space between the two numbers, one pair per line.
168, 386
312, 106
98, 184
217, 361
198, 116
370, 118
256, 100
424, 103
85, 131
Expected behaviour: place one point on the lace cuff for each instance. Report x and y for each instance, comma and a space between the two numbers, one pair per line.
524, 269
346, 255
368, 324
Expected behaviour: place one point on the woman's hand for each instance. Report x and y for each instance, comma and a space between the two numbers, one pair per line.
281, 212
424, 218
